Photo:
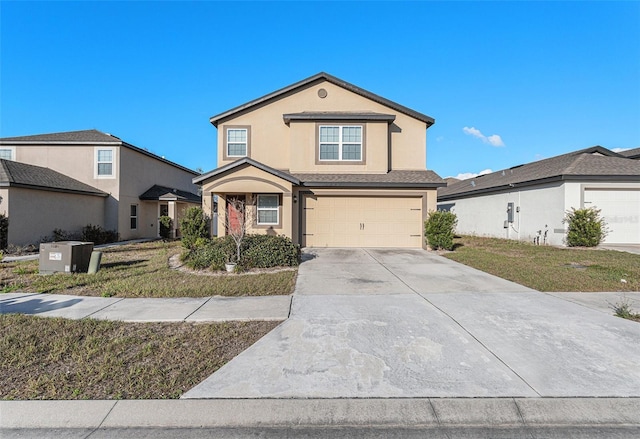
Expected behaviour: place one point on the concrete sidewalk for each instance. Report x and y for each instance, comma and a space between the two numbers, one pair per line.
205, 309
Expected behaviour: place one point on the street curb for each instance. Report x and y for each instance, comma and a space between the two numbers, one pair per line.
251, 413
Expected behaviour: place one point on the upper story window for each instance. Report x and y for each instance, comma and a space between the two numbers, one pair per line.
8, 153
237, 141
340, 143
105, 163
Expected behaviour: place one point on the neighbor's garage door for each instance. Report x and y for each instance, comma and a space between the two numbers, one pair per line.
331, 221
620, 209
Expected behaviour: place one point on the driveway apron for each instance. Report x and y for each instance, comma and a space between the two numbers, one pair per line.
378, 323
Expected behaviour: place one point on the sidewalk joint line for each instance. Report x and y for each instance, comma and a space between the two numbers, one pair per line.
524, 423
103, 308
198, 308
457, 323
102, 421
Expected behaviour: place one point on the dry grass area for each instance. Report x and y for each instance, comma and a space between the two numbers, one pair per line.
43, 358
547, 268
142, 270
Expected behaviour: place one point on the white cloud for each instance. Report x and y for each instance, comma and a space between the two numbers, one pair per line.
439, 138
620, 149
493, 140
468, 175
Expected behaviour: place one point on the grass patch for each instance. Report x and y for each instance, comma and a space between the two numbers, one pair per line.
547, 268
142, 270
45, 358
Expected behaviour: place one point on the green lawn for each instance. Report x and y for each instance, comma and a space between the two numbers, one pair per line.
142, 270
547, 268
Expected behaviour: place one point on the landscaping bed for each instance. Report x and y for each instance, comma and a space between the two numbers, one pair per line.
549, 268
45, 358
142, 270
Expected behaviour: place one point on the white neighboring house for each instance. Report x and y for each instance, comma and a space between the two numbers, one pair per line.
529, 201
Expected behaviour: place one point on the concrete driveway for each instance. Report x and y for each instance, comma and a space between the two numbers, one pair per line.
381, 323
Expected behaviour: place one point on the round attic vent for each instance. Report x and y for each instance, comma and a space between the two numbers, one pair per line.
322, 93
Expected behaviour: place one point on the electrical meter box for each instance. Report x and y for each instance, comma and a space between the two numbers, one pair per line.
65, 257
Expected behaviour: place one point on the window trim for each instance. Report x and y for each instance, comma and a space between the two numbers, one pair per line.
225, 138
277, 224
13, 152
341, 161
96, 163
133, 217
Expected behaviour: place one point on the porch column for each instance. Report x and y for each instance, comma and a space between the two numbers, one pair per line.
174, 219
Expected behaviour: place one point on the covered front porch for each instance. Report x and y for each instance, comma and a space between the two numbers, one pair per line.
166, 202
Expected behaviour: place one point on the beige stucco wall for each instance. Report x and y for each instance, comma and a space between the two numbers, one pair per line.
134, 174
139, 173
277, 145
33, 214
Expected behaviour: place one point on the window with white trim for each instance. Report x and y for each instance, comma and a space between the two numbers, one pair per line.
338, 142
134, 216
105, 163
237, 142
7, 153
268, 209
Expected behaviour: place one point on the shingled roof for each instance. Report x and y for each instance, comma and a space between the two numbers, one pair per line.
15, 174
595, 163
310, 81
406, 179
84, 137
631, 153
158, 193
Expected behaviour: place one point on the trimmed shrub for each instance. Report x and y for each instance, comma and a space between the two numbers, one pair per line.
98, 235
439, 229
585, 227
258, 251
265, 251
165, 226
193, 225
4, 231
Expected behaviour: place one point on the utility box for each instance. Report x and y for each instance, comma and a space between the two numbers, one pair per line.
65, 257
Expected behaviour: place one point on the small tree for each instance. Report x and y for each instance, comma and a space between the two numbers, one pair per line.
165, 226
585, 227
439, 229
237, 225
193, 225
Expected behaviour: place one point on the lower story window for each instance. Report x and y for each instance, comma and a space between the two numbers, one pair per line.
134, 216
268, 209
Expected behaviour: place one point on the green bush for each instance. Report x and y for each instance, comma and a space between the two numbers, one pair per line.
439, 229
4, 231
165, 226
193, 225
98, 235
258, 251
265, 251
585, 227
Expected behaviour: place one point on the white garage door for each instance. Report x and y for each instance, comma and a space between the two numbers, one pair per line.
331, 221
620, 209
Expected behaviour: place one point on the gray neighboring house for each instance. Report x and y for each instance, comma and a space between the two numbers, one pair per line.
32, 197
139, 186
529, 201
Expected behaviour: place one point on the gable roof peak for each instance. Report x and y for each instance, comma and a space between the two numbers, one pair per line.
249, 106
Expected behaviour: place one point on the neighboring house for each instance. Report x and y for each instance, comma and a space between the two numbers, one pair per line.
141, 186
327, 164
531, 200
38, 200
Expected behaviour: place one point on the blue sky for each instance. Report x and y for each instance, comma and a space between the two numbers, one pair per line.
507, 82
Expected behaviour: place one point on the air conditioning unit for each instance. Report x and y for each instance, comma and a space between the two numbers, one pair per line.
65, 257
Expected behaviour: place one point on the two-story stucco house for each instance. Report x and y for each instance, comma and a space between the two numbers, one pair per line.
135, 186
327, 164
